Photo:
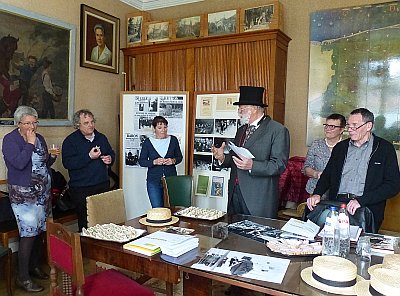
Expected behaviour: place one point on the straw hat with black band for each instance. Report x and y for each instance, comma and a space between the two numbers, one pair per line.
159, 217
383, 282
332, 274
390, 261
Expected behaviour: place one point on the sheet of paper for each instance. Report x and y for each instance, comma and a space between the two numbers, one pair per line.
240, 151
307, 229
258, 267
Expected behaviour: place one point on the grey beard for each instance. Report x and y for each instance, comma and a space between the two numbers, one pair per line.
244, 120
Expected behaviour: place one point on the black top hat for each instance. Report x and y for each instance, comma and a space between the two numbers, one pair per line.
251, 95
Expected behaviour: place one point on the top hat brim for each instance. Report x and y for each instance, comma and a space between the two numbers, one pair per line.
250, 103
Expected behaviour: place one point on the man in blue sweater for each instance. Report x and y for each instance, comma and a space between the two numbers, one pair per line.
86, 154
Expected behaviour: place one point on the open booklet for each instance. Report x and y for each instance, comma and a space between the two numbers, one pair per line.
240, 151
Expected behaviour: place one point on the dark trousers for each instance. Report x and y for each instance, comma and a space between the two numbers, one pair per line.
78, 196
237, 204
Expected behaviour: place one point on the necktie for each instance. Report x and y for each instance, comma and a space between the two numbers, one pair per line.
249, 131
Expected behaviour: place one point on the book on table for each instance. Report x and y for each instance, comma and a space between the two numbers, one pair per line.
143, 246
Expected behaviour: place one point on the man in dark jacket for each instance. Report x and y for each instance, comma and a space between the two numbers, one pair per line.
86, 154
363, 171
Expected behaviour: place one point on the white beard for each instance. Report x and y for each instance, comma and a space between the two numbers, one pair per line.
245, 119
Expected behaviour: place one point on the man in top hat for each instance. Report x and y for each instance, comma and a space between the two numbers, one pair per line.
253, 184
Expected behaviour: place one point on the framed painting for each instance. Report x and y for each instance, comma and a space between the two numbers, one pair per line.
258, 18
134, 28
37, 63
223, 22
158, 31
188, 27
99, 40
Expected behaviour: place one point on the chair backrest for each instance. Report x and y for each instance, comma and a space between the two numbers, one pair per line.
65, 256
107, 207
178, 191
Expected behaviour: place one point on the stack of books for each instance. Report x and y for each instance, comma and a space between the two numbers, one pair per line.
170, 244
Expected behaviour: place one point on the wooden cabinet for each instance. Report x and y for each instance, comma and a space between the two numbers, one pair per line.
213, 64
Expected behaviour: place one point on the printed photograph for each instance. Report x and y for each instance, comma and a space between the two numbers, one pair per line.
203, 144
204, 126
202, 162
258, 18
220, 23
189, 27
158, 31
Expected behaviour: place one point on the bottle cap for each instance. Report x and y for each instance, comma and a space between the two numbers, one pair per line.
333, 208
343, 206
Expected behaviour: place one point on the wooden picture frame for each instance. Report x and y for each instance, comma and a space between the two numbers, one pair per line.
188, 27
135, 27
40, 46
158, 31
99, 29
222, 22
264, 17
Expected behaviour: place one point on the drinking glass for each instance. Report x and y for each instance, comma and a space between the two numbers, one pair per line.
220, 230
396, 245
363, 249
53, 148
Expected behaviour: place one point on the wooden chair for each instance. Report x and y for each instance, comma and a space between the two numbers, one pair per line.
178, 191
6, 255
107, 207
65, 256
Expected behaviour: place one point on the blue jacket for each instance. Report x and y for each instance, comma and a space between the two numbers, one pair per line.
18, 158
148, 154
84, 171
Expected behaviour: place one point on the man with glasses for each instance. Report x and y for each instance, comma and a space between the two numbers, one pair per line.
363, 170
253, 184
86, 154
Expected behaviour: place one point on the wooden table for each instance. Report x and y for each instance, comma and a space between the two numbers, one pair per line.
153, 267
198, 282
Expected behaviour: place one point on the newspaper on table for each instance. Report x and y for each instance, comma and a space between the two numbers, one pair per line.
257, 267
307, 229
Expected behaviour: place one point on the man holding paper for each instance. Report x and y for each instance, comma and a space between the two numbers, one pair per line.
253, 185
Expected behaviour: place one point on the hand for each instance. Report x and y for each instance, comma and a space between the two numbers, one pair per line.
107, 159
158, 161
218, 152
95, 152
31, 136
243, 163
312, 201
169, 161
352, 206
54, 152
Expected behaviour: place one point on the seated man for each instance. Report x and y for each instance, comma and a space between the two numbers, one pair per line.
363, 170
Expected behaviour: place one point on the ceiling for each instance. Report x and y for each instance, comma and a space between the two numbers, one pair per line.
145, 5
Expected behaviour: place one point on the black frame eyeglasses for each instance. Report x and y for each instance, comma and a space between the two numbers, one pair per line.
331, 126
354, 128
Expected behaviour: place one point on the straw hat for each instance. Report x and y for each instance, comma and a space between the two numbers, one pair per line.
332, 274
159, 217
390, 261
383, 282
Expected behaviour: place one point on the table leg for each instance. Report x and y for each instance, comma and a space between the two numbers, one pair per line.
170, 289
196, 285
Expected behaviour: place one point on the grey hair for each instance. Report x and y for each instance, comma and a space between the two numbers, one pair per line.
98, 26
76, 119
24, 111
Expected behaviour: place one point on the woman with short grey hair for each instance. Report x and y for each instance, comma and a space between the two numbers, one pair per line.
28, 174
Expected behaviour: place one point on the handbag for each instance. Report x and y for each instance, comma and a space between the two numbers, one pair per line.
363, 217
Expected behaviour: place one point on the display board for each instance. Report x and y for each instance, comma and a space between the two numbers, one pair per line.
137, 110
216, 121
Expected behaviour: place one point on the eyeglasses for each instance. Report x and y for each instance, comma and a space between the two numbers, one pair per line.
29, 123
354, 128
330, 126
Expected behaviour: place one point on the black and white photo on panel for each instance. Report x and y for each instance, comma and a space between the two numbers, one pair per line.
203, 144
202, 162
174, 110
145, 122
131, 157
204, 126
226, 127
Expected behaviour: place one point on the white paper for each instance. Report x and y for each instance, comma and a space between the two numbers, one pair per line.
307, 229
240, 151
265, 268
355, 232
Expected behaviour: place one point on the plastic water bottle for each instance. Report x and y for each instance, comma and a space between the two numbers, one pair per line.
344, 229
330, 240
